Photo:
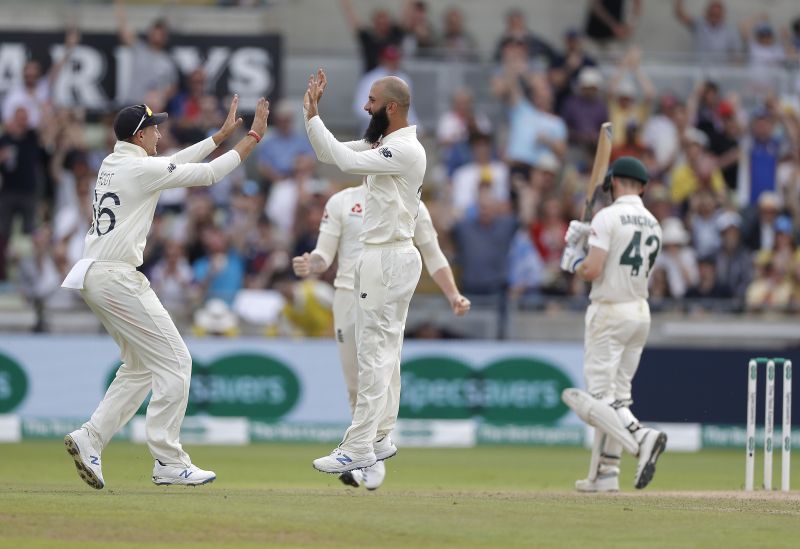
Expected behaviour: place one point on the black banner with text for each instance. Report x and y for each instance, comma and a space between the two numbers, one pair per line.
100, 66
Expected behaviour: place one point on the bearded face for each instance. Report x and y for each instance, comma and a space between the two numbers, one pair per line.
377, 126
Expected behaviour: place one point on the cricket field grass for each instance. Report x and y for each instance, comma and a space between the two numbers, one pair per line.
269, 495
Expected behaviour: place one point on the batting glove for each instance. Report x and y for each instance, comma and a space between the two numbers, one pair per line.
577, 233
571, 258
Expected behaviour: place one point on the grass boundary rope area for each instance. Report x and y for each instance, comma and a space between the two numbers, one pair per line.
268, 494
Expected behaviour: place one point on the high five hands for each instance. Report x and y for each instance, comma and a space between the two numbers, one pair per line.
232, 121
316, 88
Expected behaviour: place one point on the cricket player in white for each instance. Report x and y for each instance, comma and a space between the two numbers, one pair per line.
154, 356
339, 234
387, 272
624, 240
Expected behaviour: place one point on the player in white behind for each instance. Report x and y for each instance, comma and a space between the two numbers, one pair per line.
623, 242
339, 235
387, 271
154, 356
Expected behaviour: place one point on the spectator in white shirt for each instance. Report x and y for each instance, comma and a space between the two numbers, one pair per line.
677, 258
483, 171
389, 59
458, 123
286, 195
33, 93
712, 37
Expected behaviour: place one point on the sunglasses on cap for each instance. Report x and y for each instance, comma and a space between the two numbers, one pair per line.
147, 112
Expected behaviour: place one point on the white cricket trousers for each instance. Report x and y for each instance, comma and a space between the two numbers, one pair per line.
615, 337
154, 357
385, 279
344, 325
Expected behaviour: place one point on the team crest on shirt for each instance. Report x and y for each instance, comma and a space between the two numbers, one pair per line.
171, 168
356, 209
385, 152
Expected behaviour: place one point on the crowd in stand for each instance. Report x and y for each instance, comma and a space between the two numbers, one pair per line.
725, 172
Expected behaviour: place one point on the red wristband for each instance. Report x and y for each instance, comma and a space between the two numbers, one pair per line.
254, 135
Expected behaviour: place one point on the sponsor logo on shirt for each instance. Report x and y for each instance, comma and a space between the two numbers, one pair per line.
356, 209
385, 152
171, 168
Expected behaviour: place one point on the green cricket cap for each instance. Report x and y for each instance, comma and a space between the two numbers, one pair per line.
628, 166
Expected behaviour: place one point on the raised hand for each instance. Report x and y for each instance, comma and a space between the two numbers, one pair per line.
259, 124
311, 98
322, 83
232, 121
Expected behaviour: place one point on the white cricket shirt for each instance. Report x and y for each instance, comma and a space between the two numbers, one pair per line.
632, 237
128, 185
394, 169
344, 219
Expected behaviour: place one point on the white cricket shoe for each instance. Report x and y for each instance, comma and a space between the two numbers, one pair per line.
603, 483
384, 448
373, 476
187, 476
352, 478
652, 445
340, 461
86, 458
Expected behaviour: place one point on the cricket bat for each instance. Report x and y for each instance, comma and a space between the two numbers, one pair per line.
602, 157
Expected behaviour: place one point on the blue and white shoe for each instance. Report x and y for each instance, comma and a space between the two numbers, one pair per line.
340, 461
187, 476
384, 448
86, 458
373, 476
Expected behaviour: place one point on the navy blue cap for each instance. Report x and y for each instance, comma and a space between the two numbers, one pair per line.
132, 119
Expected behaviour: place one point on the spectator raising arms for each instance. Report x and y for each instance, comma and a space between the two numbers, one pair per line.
372, 40
540, 53
566, 67
456, 43
33, 93
533, 128
152, 76
609, 20
585, 111
712, 38
698, 171
390, 59
420, 39
624, 107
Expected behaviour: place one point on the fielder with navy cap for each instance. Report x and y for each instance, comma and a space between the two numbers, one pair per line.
155, 358
623, 241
